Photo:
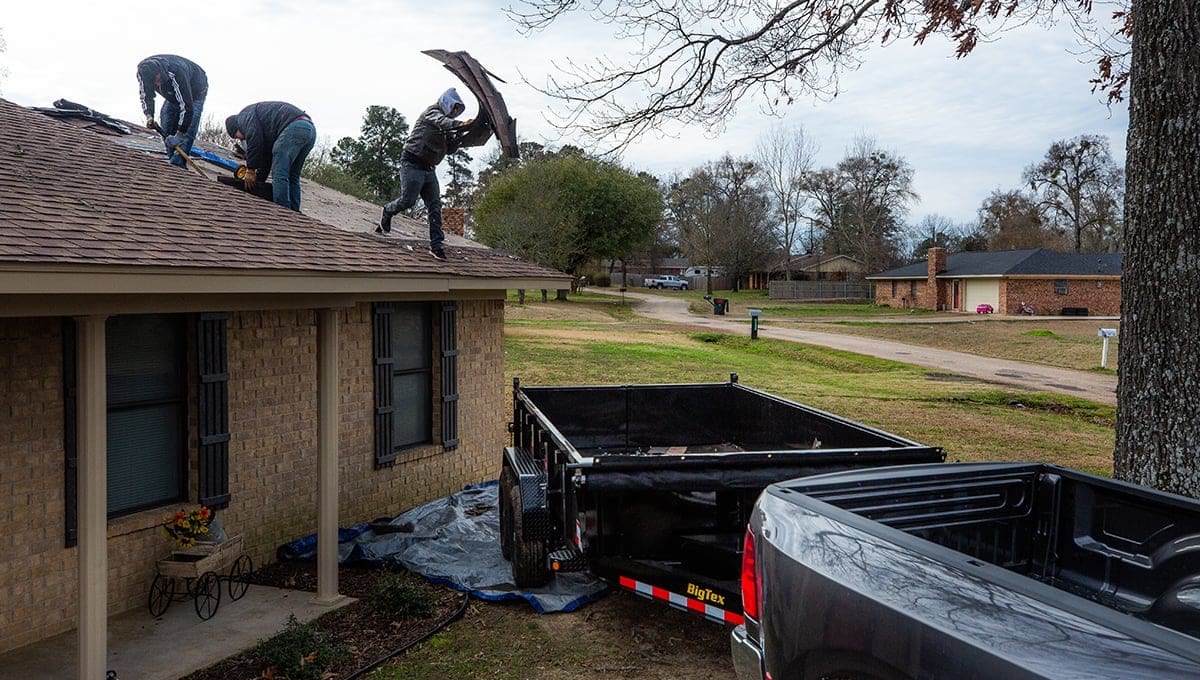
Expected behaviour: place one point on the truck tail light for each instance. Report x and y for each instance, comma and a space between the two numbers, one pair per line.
751, 588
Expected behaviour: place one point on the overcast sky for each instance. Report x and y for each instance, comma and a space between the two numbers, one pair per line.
965, 126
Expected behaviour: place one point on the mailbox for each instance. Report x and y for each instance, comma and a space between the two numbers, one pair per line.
1106, 333
754, 314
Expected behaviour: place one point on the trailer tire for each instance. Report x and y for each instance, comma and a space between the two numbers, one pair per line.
507, 487
528, 554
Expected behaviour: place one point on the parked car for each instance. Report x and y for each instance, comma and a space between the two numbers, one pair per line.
668, 281
979, 570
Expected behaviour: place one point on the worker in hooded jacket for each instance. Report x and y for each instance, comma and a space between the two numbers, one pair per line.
430, 141
278, 136
183, 86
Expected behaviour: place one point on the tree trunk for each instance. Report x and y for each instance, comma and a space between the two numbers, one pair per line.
1158, 394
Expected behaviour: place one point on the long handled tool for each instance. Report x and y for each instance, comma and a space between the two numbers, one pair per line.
190, 162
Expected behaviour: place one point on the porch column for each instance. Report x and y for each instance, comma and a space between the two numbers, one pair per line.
327, 457
92, 414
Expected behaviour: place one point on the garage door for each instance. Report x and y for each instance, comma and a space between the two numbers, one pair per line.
981, 291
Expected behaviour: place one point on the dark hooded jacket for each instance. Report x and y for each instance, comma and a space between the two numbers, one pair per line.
430, 139
261, 124
183, 83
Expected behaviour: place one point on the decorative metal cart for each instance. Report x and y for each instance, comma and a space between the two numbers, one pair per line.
194, 573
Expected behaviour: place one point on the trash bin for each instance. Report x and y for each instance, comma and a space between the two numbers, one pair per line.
720, 306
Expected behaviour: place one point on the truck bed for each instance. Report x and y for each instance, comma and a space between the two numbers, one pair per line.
1127, 548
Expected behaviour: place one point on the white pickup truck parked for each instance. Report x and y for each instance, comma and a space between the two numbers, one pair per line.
668, 281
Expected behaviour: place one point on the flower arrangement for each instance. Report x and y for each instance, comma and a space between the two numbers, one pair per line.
188, 527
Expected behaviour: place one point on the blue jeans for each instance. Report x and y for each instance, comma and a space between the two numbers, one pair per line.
168, 118
415, 182
287, 160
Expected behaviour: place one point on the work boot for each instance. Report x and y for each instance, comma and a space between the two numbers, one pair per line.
385, 222
438, 253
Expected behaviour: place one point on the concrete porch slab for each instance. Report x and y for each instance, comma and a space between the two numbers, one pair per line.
143, 648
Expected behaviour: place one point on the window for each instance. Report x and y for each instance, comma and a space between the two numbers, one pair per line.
893, 288
147, 412
1060, 286
912, 290
403, 378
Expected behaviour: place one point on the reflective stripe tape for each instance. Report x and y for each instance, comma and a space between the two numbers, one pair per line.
681, 601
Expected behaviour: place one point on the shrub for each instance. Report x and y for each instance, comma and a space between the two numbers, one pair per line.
402, 595
301, 651
601, 279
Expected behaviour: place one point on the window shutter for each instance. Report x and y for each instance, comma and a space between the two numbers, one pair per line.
385, 455
449, 375
70, 450
213, 416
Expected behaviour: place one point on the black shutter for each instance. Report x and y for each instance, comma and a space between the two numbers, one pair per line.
385, 454
213, 417
70, 433
449, 376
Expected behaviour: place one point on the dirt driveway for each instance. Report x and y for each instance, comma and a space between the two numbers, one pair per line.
1092, 386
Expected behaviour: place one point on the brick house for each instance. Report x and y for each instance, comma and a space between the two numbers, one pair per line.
165, 340
1048, 281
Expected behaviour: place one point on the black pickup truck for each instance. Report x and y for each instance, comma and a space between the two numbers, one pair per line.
651, 486
988, 570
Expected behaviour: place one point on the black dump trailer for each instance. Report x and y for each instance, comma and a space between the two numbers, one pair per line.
650, 487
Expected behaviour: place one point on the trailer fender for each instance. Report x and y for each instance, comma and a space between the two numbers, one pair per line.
531, 485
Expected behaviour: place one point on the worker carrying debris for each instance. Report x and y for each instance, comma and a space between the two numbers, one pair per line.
431, 139
278, 136
183, 86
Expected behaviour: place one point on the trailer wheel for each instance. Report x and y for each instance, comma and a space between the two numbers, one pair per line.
528, 554
507, 487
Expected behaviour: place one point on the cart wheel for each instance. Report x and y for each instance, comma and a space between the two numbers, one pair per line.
507, 488
207, 595
162, 592
239, 574
528, 554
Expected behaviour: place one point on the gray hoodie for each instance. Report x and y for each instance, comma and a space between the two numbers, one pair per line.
427, 144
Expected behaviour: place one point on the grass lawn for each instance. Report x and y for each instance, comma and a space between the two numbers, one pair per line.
970, 419
1068, 343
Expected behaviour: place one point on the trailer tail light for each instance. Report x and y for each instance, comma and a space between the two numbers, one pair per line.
751, 588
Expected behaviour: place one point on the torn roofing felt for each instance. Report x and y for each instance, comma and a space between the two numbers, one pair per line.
493, 112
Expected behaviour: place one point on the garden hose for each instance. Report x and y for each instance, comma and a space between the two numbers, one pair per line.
462, 609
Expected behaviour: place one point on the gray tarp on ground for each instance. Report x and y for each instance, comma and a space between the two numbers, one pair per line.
455, 540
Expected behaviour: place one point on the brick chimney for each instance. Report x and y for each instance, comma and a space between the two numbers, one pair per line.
934, 297
454, 220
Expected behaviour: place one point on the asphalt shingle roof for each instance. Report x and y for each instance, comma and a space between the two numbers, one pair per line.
1029, 262
69, 196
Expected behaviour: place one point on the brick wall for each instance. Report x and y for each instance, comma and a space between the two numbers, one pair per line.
273, 485
37, 573
903, 299
1039, 293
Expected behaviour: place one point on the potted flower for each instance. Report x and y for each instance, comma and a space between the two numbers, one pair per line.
193, 531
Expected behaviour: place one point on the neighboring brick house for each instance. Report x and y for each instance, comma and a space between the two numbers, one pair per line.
1048, 281
165, 340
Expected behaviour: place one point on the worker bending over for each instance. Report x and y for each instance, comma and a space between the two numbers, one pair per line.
183, 86
278, 136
